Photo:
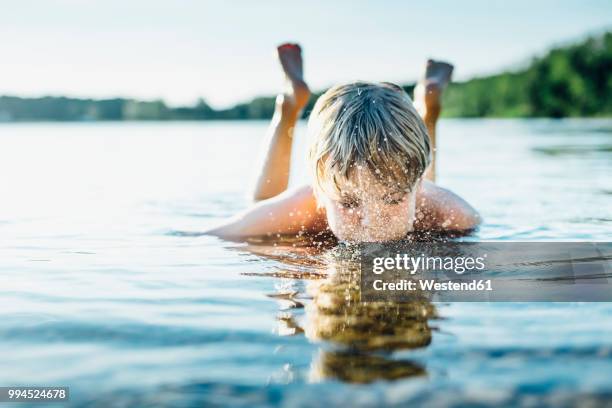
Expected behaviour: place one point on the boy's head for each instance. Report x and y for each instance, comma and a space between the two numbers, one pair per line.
369, 149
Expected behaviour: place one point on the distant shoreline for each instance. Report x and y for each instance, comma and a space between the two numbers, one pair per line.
570, 81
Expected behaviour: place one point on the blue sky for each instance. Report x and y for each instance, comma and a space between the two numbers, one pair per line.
224, 50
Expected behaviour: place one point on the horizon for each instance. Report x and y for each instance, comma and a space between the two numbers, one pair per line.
117, 52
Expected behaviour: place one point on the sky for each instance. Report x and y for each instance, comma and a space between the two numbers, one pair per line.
224, 51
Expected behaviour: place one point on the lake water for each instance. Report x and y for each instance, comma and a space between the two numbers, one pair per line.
106, 286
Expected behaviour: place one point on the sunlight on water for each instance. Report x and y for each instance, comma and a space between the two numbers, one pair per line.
107, 286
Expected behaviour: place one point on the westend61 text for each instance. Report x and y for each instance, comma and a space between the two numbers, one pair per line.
431, 284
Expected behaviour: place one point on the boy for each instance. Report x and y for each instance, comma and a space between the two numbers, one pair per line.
371, 158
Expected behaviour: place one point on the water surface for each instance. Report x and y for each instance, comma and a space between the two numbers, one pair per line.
108, 288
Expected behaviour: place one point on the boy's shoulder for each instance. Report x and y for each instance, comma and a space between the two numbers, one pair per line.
437, 209
442, 210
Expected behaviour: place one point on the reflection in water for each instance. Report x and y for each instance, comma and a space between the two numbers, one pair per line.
364, 333
337, 314
361, 368
357, 338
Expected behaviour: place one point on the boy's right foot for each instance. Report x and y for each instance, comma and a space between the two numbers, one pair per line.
296, 93
428, 91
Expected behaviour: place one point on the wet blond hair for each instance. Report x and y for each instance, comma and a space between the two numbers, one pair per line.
366, 124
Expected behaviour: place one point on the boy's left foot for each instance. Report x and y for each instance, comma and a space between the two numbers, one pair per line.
296, 92
428, 91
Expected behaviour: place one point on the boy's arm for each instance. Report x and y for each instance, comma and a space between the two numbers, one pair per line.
439, 209
290, 212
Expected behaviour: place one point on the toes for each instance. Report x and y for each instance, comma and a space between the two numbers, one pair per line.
289, 46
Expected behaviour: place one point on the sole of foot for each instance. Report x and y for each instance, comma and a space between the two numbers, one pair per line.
428, 91
296, 93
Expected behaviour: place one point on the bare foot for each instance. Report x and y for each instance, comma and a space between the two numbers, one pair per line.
428, 91
296, 93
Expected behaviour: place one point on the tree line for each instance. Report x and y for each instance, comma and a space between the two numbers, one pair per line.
570, 81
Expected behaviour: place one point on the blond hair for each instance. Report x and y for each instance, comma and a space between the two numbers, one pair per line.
371, 125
